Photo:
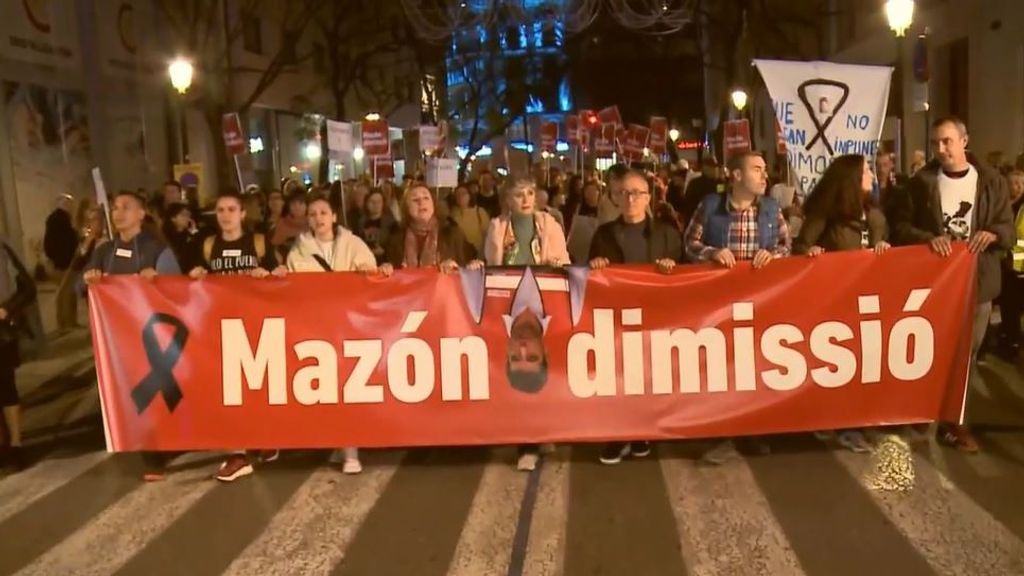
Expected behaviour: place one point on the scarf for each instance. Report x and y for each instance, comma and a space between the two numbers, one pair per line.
421, 244
511, 246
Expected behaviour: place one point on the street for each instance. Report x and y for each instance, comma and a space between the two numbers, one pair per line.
466, 511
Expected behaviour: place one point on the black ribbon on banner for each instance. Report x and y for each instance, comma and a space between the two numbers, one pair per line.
160, 379
822, 126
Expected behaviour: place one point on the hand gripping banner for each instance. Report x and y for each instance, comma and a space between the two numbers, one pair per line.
508, 356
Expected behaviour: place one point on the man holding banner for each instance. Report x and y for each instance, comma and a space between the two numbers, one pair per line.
134, 252
634, 238
954, 199
742, 224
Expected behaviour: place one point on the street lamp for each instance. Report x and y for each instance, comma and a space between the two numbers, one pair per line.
673, 134
739, 99
180, 72
900, 14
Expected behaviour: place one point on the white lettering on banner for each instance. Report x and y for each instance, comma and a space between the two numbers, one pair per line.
701, 363
317, 383
911, 353
267, 362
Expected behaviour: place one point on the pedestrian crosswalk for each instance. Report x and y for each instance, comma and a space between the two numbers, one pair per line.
803, 509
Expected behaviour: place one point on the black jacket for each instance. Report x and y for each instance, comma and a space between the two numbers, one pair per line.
60, 239
663, 241
917, 218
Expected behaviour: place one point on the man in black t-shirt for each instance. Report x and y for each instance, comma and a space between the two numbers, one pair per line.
234, 251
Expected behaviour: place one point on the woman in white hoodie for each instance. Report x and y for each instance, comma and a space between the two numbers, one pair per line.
328, 247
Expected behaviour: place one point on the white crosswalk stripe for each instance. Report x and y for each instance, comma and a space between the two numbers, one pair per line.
127, 526
310, 534
18, 491
725, 523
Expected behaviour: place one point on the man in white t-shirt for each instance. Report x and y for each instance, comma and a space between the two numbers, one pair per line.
953, 199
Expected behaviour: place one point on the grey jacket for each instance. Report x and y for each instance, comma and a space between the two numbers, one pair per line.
917, 218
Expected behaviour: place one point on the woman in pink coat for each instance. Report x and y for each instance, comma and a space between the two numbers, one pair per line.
523, 235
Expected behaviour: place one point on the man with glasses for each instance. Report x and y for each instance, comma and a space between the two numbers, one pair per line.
634, 238
741, 225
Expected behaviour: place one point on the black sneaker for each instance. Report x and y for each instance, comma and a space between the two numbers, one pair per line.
640, 449
614, 452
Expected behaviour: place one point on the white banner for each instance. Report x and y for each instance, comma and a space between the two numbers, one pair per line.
826, 110
442, 173
339, 139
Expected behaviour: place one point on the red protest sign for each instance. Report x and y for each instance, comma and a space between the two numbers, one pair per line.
737, 137
548, 136
572, 129
610, 115
604, 141
883, 345
659, 135
635, 141
780, 138
383, 169
376, 140
234, 137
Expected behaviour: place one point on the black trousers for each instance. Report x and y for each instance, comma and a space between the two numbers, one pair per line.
1011, 307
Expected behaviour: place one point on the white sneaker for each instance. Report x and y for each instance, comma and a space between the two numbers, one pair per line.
352, 466
527, 462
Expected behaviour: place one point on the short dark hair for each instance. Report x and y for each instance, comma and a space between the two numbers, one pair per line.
528, 382
739, 160
174, 183
618, 171
951, 119
138, 197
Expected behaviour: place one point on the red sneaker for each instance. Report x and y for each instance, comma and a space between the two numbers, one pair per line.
959, 437
236, 466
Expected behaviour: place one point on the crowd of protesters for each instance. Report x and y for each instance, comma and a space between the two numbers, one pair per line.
660, 216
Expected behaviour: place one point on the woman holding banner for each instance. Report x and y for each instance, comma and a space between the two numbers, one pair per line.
425, 240
524, 236
841, 214
237, 251
328, 247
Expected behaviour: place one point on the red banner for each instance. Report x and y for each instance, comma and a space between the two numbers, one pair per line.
737, 137
338, 359
659, 135
376, 140
234, 137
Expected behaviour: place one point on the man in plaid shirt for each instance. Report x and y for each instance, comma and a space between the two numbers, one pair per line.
743, 223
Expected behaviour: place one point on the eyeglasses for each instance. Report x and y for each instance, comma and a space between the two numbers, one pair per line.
635, 193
